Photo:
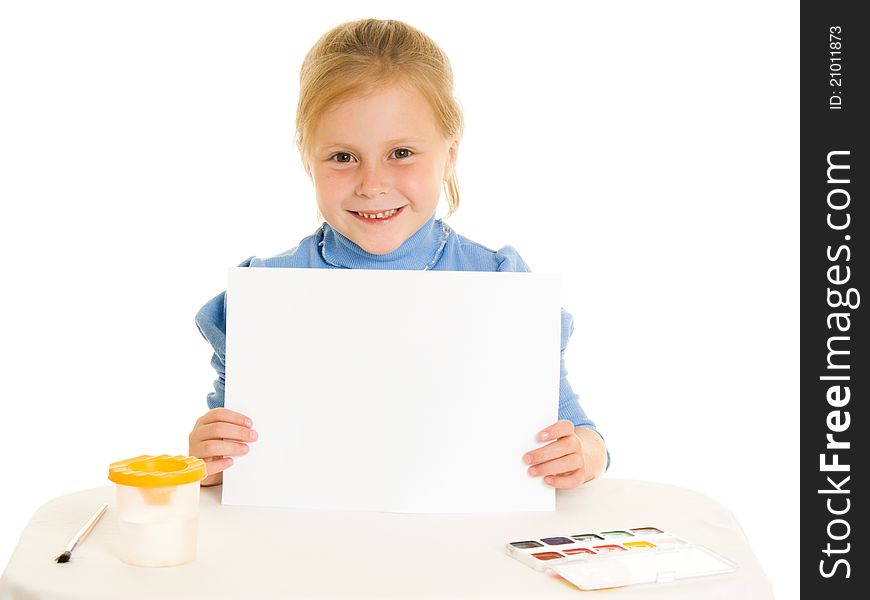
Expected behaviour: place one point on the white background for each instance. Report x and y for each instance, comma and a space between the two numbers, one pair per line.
648, 152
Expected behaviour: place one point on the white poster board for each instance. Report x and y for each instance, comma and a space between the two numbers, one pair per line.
399, 391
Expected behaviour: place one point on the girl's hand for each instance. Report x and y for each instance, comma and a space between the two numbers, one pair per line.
561, 462
217, 435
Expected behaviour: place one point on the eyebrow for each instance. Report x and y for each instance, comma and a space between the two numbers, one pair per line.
393, 142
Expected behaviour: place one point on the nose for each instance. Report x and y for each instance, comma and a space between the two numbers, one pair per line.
374, 181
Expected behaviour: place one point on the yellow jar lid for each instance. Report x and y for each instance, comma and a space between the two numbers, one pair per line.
157, 471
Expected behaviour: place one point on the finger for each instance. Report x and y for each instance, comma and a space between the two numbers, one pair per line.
556, 430
217, 464
561, 447
564, 464
566, 480
226, 415
222, 430
218, 448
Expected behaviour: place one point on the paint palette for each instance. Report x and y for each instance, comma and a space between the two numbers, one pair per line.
619, 557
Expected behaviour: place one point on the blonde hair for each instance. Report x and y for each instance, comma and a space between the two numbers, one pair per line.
355, 58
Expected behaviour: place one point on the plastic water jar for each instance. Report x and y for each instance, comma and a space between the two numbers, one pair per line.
158, 504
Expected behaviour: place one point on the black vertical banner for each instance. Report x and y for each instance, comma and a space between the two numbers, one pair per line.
835, 299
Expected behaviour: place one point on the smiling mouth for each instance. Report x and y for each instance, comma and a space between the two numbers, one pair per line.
378, 215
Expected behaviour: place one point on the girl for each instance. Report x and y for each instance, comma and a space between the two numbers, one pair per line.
378, 129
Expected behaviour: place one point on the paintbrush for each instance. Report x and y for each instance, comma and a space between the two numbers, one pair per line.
78, 538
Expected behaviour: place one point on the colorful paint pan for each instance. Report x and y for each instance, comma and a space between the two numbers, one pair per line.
618, 557
615, 534
556, 541
609, 548
588, 537
528, 544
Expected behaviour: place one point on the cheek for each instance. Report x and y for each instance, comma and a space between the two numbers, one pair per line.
331, 187
421, 180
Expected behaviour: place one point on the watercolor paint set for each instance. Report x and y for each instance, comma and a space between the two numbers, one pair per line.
619, 557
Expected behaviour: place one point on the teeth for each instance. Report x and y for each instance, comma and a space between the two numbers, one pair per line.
380, 215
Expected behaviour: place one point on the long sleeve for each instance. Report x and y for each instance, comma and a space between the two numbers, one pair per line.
211, 320
569, 405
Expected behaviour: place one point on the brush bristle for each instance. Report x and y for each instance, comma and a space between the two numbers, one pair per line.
63, 557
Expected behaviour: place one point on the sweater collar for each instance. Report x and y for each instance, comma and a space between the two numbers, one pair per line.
419, 252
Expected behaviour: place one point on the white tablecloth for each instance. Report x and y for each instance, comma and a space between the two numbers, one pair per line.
262, 553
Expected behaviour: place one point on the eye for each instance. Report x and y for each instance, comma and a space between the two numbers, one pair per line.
342, 157
402, 153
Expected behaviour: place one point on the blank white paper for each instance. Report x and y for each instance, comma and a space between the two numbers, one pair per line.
397, 391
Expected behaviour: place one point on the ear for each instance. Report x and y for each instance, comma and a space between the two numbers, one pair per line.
452, 156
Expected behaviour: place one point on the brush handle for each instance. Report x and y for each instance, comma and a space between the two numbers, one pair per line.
86, 529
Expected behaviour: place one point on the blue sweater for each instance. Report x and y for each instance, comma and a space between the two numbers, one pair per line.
433, 247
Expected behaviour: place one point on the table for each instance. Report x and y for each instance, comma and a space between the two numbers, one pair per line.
247, 552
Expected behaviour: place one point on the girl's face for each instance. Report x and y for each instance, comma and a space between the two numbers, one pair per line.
377, 163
